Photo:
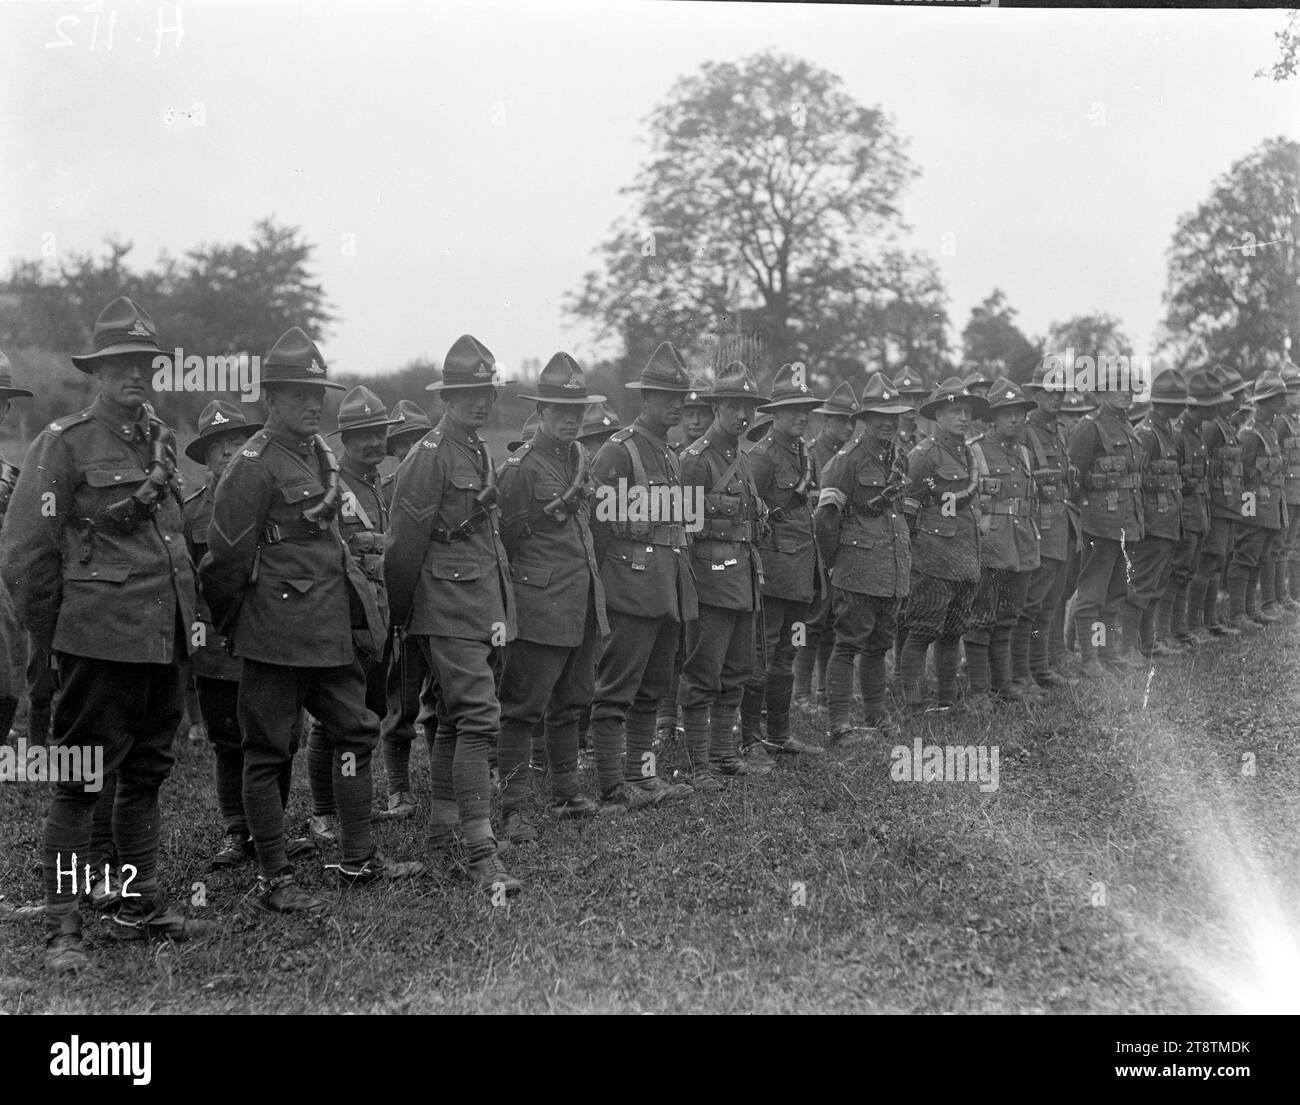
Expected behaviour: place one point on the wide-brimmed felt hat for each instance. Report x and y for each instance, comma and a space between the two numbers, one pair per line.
1169, 387
1290, 374
910, 384
362, 409
841, 401
790, 389
7, 389
123, 328
468, 364
758, 429
1076, 402
1138, 411
527, 432
664, 371
1006, 395
698, 396
1204, 390
1230, 380
881, 397
1038, 381
737, 382
600, 418
408, 419
977, 382
953, 390
294, 359
217, 419
562, 381
1267, 386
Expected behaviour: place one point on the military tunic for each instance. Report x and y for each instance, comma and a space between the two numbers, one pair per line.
1057, 532
1151, 559
73, 575
550, 667
301, 614
115, 601
645, 566
1263, 515
865, 540
1108, 455
449, 584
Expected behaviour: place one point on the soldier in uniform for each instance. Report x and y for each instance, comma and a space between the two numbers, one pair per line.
1181, 619
1151, 559
1288, 424
1251, 597
223, 429
550, 667
649, 588
1061, 644
785, 476
943, 517
1008, 545
1108, 455
719, 656
363, 425
406, 673
282, 585
811, 658
864, 538
599, 424
1225, 506
13, 650
1044, 437
697, 415
911, 429
449, 586
93, 554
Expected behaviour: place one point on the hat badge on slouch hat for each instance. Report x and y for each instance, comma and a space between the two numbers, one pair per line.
123, 328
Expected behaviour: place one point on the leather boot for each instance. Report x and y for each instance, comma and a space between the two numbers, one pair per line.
1123, 636
780, 690
724, 755
1000, 682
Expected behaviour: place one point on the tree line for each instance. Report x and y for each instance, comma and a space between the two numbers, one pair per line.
765, 226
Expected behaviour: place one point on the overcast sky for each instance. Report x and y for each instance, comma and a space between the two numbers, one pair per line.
476, 150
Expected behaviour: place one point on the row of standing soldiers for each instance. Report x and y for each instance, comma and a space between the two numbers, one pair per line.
601, 579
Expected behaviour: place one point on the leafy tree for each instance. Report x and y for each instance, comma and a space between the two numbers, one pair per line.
993, 343
1288, 49
752, 221
1233, 293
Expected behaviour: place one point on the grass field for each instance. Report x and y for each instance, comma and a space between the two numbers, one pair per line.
1138, 856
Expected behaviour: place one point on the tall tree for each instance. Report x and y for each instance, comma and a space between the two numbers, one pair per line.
1288, 49
1233, 291
995, 344
752, 217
